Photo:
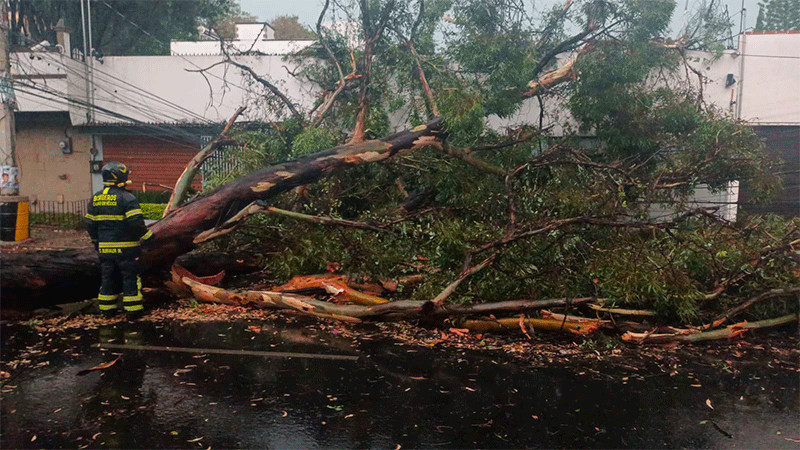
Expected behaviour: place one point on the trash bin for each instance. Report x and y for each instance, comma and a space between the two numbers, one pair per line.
14, 214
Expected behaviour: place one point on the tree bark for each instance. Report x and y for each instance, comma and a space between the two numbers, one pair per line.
175, 234
47, 278
185, 180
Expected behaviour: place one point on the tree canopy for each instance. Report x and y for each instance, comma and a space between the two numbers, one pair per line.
288, 27
778, 15
119, 27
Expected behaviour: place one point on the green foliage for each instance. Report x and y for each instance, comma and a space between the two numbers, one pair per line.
778, 15
63, 220
288, 27
153, 211
151, 196
311, 140
145, 28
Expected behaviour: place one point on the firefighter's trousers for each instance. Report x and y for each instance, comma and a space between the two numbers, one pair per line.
119, 272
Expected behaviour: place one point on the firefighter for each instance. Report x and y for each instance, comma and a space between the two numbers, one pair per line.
116, 226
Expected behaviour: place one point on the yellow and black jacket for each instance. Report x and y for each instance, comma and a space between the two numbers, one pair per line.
115, 221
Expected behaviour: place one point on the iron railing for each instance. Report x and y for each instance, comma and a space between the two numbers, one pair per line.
221, 162
62, 214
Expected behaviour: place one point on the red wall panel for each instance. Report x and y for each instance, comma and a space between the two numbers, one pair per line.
152, 160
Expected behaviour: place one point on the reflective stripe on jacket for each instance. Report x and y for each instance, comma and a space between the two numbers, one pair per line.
115, 219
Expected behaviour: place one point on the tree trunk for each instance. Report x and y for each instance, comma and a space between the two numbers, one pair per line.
175, 234
61, 276
46, 278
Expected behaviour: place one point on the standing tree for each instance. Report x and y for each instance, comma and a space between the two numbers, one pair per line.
288, 28
778, 15
119, 27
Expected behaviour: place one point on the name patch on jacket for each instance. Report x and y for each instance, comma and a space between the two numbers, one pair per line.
104, 200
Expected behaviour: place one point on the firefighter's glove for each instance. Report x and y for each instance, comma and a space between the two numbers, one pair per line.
147, 240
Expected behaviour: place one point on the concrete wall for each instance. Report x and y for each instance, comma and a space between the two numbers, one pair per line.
46, 173
176, 93
281, 47
770, 81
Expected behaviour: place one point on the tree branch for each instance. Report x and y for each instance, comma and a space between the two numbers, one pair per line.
272, 88
439, 300
731, 313
185, 180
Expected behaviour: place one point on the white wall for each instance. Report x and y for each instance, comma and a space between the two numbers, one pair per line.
171, 90
771, 78
271, 47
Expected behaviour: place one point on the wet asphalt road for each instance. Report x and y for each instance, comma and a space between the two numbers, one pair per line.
374, 394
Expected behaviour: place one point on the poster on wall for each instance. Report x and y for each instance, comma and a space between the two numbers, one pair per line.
9, 177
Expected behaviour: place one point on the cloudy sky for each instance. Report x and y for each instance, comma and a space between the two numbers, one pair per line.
308, 10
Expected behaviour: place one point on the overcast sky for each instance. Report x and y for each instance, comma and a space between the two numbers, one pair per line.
308, 10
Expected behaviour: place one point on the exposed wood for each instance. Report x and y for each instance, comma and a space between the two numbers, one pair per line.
482, 326
569, 318
336, 285
690, 336
185, 180
372, 33
564, 73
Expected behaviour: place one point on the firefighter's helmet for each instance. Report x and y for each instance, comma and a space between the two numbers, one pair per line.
115, 174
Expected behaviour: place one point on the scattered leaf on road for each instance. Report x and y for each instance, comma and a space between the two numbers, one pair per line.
98, 367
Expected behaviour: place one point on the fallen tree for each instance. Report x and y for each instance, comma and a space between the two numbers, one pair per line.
486, 214
60, 276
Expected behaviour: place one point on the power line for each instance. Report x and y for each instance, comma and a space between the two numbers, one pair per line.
143, 108
76, 72
128, 129
69, 100
162, 43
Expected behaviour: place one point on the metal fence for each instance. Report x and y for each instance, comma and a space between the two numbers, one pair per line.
222, 162
62, 214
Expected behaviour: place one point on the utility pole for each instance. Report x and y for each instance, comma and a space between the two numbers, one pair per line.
14, 225
8, 160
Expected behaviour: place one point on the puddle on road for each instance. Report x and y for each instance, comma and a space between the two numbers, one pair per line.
391, 395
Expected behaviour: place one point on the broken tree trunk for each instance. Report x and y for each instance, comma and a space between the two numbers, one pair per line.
46, 278
185, 180
174, 235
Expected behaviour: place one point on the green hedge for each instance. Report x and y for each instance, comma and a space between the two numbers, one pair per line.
153, 211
